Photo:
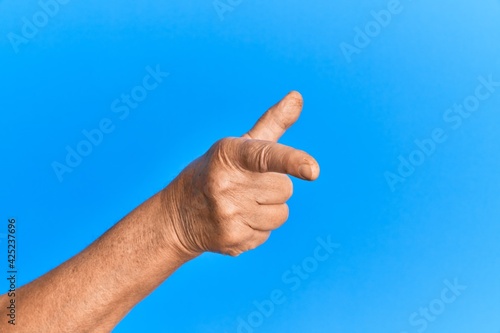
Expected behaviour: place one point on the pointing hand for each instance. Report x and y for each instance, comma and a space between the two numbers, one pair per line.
231, 198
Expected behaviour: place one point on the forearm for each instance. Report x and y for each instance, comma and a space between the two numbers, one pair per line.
227, 201
94, 290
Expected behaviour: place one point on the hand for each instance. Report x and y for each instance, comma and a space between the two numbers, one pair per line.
231, 198
226, 201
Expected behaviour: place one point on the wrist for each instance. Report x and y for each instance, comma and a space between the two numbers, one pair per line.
178, 225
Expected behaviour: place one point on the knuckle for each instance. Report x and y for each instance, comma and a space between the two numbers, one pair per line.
229, 240
257, 155
223, 143
211, 188
217, 183
262, 158
256, 240
219, 151
234, 252
227, 212
251, 242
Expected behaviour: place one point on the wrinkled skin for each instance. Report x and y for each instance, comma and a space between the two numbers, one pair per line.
226, 201
232, 197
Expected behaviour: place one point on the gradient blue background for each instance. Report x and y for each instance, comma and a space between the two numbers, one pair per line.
396, 247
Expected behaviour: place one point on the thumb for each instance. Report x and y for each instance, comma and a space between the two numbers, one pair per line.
274, 123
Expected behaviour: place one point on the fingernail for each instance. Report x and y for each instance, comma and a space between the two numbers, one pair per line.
305, 171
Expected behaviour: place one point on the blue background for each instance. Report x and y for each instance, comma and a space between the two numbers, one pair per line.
396, 247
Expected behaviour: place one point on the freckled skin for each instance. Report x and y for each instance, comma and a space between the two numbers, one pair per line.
227, 201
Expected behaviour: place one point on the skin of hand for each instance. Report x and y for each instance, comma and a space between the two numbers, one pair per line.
232, 197
226, 201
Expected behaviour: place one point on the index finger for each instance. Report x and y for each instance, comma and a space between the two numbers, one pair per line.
267, 156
